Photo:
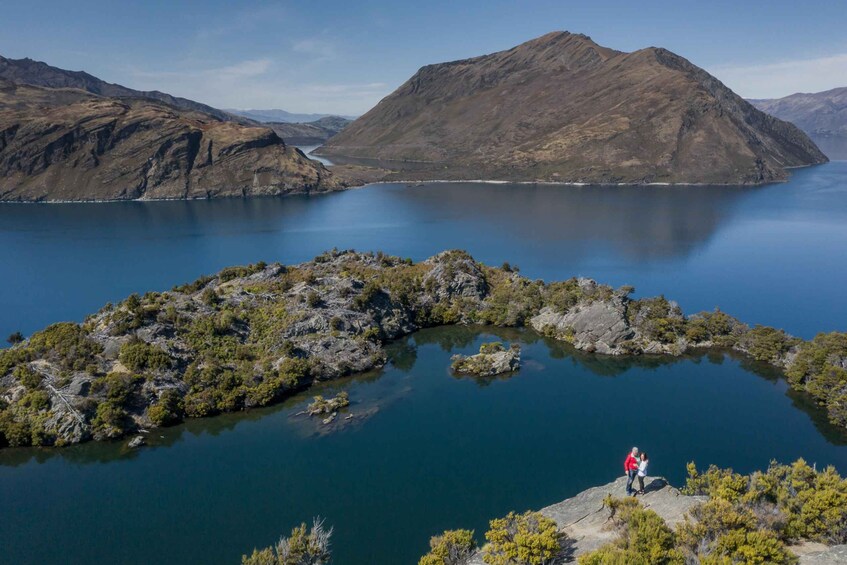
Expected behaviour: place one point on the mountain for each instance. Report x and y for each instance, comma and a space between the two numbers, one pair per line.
563, 108
36, 73
282, 116
309, 133
71, 144
822, 115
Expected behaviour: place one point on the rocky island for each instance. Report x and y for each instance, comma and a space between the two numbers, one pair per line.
250, 336
561, 108
492, 359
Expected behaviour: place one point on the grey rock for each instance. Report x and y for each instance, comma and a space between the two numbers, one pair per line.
136, 442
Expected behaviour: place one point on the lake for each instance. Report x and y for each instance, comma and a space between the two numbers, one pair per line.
771, 255
429, 452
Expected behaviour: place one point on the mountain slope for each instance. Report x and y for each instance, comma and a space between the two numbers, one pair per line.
309, 133
69, 144
822, 115
37, 73
275, 115
562, 108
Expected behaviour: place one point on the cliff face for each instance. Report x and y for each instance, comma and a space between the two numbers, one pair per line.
562, 108
822, 115
67, 144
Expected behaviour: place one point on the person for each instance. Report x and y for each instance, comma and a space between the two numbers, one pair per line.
630, 467
642, 471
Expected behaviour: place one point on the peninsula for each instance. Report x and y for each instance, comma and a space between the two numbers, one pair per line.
250, 336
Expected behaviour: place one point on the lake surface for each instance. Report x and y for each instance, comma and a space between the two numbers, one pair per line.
772, 255
436, 452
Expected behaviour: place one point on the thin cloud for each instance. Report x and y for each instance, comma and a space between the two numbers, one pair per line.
318, 49
260, 83
775, 80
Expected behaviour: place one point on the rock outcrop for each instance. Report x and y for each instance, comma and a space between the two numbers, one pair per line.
250, 336
562, 108
59, 144
585, 520
492, 359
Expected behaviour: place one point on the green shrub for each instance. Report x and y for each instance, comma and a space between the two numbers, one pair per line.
524, 539
453, 547
15, 338
720, 531
302, 547
643, 537
26, 376
715, 483
66, 344
168, 410
139, 356
767, 344
111, 420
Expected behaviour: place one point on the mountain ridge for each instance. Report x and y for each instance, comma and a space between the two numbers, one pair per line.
67, 144
562, 108
822, 115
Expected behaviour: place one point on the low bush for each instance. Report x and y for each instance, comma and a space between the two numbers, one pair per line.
302, 547
453, 547
522, 539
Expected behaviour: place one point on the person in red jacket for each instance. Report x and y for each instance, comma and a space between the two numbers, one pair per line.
630, 467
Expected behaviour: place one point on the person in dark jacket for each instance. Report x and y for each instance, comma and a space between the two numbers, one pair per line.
630, 467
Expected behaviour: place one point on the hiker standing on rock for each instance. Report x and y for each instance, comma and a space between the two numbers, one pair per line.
630, 467
642, 472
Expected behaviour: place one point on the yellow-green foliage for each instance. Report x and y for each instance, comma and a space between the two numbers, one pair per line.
302, 547
643, 538
812, 504
767, 344
720, 328
453, 547
512, 299
522, 539
139, 356
168, 409
657, 319
720, 531
561, 296
66, 344
24, 422
716, 483
818, 370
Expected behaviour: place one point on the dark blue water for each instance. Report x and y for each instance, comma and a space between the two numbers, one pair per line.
437, 453
772, 255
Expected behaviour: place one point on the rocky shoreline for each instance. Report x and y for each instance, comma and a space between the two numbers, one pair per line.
584, 521
251, 336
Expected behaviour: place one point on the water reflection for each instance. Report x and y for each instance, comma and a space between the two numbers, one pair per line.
703, 246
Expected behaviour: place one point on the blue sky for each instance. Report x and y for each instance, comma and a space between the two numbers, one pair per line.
343, 56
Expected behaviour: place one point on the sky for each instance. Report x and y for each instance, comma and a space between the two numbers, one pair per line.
342, 57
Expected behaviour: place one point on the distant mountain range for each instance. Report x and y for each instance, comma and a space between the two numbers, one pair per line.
67, 135
563, 108
309, 133
822, 115
282, 116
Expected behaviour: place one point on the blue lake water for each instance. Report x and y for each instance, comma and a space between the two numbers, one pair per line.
435, 452
773, 255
